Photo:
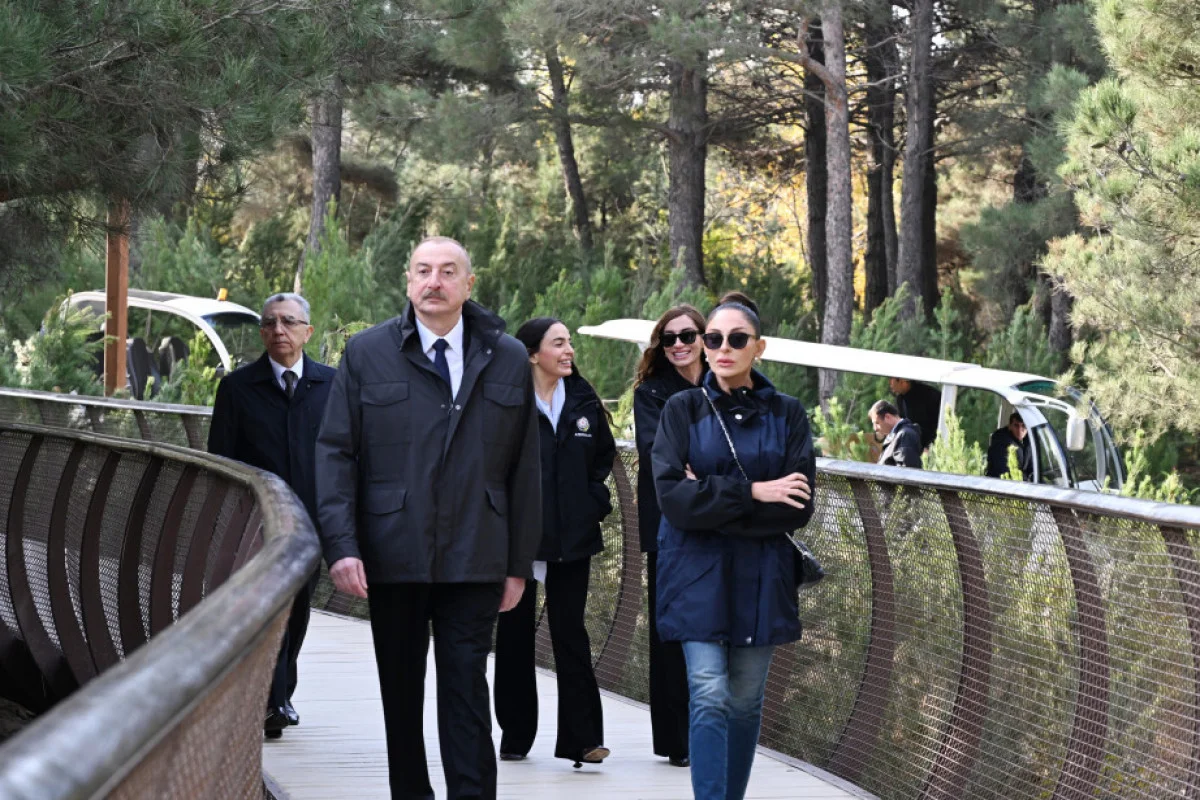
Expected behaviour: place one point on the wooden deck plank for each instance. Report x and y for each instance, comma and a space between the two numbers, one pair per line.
338, 750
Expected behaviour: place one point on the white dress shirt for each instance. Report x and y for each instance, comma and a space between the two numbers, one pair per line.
554, 408
454, 352
279, 369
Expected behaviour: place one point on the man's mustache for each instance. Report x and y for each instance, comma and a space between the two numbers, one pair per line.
435, 294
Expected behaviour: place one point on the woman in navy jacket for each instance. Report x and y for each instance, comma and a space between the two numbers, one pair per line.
577, 450
673, 362
726, 584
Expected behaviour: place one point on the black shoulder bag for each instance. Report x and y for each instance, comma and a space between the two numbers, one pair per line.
807, 569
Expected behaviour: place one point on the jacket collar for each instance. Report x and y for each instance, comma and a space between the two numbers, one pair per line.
904, 422
261, 370
748, 402
480, 325
669, 381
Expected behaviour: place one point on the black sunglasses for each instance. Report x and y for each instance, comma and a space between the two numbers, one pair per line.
737, 340
687, 337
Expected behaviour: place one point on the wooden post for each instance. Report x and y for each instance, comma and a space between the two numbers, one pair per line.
116, 287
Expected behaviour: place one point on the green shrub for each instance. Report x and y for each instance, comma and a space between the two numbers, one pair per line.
950, 452
62, 357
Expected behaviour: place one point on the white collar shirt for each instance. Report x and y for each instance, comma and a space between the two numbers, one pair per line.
553, 409
279, 369
454, 352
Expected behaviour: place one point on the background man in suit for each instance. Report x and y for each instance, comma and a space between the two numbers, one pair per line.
920, 403
901, 438
267, 414
429, 488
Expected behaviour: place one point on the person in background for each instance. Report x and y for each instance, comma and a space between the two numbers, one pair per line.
672, 362
266, 414
919, 403
900, 437
1012, 436
734, 471
577, 452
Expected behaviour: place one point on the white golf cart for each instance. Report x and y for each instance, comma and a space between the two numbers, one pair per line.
1069, 450
162, 323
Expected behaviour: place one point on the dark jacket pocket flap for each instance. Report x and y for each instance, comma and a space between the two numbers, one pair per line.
384, 394
504, 394
498, 500
384, 499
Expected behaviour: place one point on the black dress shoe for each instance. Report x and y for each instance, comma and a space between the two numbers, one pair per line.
275, 722
292, 717
679, 761
512, 756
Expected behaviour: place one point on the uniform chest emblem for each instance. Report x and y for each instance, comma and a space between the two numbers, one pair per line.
583, 424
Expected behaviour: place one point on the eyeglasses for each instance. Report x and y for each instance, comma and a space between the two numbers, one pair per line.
266, 323
687, 337
737, 340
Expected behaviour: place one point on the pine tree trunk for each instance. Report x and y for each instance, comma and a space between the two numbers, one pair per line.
1061, 334
911, 258
929, 202
580, 220
880, 260
839, 299
688, 144
816, 179
326, 165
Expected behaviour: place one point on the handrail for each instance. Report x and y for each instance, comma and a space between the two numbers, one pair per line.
128, 732
975, 638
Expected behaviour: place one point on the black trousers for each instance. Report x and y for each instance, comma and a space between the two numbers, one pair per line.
283, 682
462, 616
580, 716
668, 682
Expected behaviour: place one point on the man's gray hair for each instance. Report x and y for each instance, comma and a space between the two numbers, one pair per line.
283, 297
443, 240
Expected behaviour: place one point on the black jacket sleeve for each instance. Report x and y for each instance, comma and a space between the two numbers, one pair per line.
337, 464
709, 503
997, 456
908, 448
525, 492
602, 466
222, 427
771, 519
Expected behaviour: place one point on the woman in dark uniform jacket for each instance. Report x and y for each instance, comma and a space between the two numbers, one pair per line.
672, 362
577, 450
734, 469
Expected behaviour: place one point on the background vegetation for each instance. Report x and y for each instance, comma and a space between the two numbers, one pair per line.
1010, 182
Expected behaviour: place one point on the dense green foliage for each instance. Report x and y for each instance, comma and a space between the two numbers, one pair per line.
1066, 160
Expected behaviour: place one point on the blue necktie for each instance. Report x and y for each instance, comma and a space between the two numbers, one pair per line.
440, 363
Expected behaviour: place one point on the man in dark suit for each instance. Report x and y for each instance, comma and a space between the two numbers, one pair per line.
429, 488
900, 437
919, 403
1013, 436
267, 415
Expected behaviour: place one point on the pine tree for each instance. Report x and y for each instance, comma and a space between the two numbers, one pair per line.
1134, 162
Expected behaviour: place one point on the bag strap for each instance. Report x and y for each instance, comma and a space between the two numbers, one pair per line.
725, 430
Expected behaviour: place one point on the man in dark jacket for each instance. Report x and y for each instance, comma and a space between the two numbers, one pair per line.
266, 415
920, 403
429, 496
901, 438
1013, 436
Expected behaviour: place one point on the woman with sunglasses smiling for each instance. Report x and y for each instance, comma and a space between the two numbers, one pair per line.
734, 471
672, 363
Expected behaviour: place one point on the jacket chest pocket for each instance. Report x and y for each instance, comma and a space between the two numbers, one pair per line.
386, 413
501, 411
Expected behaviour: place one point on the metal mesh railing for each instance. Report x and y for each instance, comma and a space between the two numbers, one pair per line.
974, 639
108, 544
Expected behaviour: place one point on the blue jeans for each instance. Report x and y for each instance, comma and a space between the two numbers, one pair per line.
726, 686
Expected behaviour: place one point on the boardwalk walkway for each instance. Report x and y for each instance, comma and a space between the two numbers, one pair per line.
338, 750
